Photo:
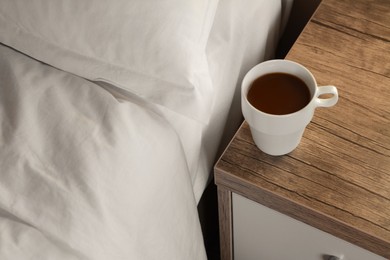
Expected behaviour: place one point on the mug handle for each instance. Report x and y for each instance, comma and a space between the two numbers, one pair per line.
327, 102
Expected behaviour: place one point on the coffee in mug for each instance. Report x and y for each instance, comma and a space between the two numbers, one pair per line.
279, 93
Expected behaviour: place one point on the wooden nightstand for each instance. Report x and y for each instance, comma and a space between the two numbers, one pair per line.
330, 196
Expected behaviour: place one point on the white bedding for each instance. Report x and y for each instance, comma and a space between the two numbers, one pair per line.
88, 171
154, 48
82, 176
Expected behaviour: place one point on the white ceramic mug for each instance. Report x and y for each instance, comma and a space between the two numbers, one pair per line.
280, 134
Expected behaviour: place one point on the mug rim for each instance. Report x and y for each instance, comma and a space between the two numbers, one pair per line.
269, 62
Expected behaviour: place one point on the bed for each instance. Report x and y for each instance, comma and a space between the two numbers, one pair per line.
112, 114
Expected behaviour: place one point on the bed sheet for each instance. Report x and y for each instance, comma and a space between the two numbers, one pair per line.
82, 174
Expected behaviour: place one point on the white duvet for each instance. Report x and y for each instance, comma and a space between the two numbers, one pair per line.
82, 174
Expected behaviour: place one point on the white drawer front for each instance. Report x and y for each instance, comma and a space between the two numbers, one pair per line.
260, 233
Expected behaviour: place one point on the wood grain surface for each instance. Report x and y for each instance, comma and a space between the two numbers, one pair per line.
225, 220
338, 179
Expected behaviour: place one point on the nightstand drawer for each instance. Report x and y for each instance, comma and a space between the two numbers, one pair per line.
263, 233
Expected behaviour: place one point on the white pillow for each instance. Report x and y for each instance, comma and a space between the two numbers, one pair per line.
153, 48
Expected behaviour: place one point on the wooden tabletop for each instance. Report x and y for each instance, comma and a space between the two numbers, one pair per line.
338, 179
